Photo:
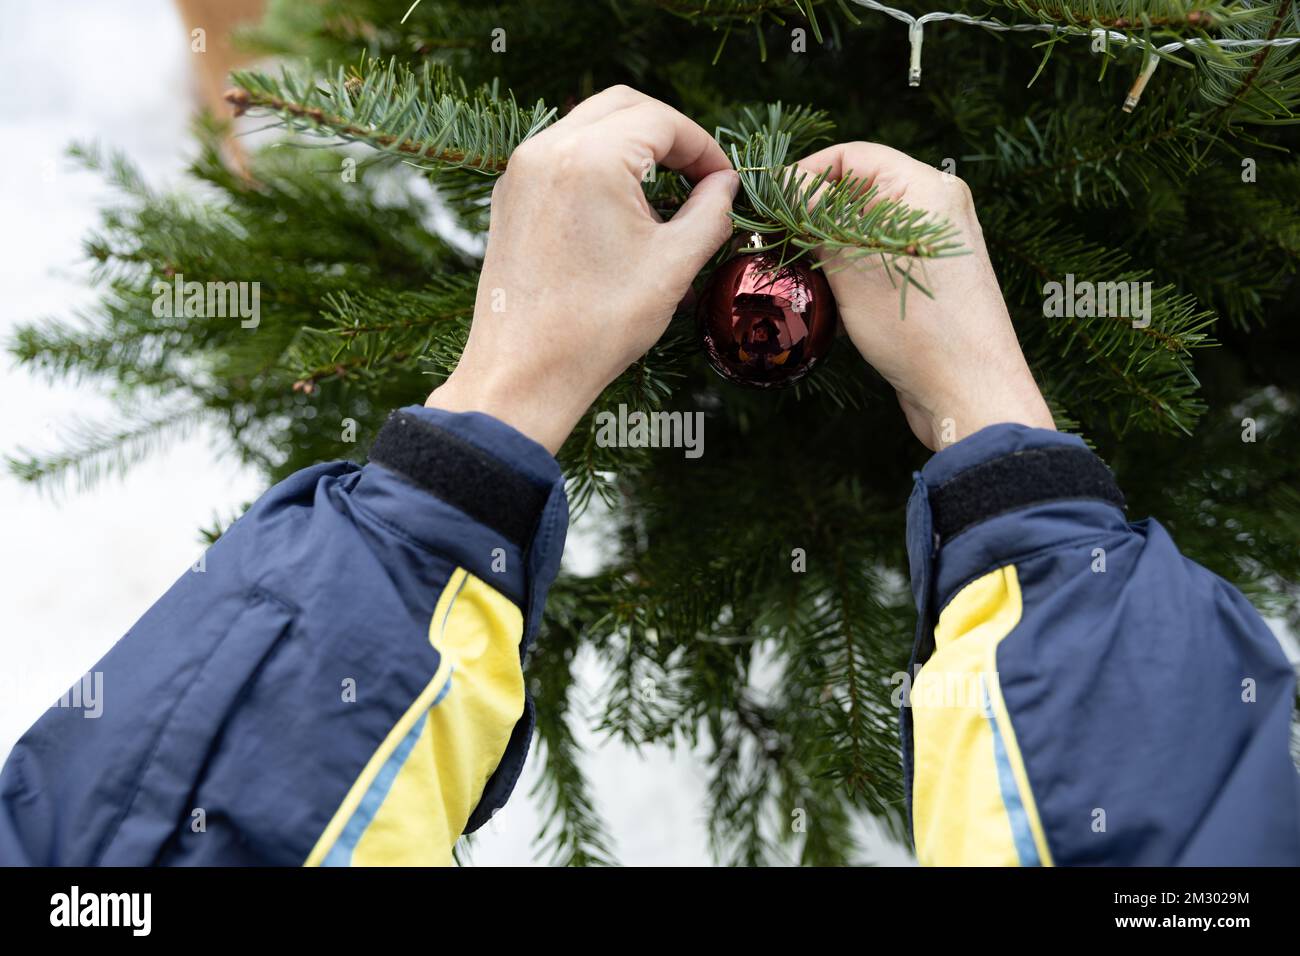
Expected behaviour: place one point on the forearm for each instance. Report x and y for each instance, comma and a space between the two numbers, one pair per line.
339, 682
1105, 714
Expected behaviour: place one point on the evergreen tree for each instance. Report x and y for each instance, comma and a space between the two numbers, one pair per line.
754, 601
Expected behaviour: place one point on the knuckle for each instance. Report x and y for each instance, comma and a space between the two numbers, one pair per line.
527, 157
565, 158
720, 235
622, 93
722, 226
562, 159
581, 156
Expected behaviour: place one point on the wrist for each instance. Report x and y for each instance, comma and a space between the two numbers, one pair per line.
1021, 404
951, 431
546, 419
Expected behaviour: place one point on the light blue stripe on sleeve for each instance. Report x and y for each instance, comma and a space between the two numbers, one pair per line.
1021, 834
340, 853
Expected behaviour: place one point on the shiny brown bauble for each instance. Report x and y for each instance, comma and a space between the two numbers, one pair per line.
764, 324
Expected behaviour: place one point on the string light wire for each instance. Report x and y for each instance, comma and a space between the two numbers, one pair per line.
916, 36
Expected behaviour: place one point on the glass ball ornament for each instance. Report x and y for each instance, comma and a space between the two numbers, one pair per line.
766, 324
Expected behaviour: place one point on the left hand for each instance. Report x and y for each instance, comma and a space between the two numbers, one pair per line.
954, 360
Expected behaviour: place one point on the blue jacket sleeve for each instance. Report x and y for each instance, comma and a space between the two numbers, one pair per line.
1085, 694
338, 682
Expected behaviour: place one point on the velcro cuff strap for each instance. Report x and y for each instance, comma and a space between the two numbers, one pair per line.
461, 474
1019, 480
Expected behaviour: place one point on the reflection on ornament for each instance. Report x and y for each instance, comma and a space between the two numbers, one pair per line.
765, 324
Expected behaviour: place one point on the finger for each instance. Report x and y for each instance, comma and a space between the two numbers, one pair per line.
880, 168
868, 161
669, 138
884, 168
700, 226
596, 107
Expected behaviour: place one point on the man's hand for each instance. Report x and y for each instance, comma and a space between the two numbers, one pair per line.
580, 276
953, 359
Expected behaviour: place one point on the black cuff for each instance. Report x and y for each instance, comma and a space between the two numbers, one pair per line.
1016, 481
460, 473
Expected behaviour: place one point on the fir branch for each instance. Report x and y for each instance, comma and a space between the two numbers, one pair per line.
847, 217
758, 13
429, 325
427, 115
1095, 152
436, 121
744, 756
1178, 17
801, 128
1255, 85
1140, 373
91, 452
571, 833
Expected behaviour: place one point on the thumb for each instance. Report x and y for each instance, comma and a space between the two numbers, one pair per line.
701, 225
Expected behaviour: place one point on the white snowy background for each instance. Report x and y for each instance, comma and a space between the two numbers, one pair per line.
78, 569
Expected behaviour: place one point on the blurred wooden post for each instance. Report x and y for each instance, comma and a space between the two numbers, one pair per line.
218, 19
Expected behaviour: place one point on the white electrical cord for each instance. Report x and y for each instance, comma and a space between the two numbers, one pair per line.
916, 34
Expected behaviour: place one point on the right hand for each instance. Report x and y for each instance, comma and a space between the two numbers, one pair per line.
953, 359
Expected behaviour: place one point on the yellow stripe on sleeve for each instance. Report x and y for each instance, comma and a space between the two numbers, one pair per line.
971, 800
415, 795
